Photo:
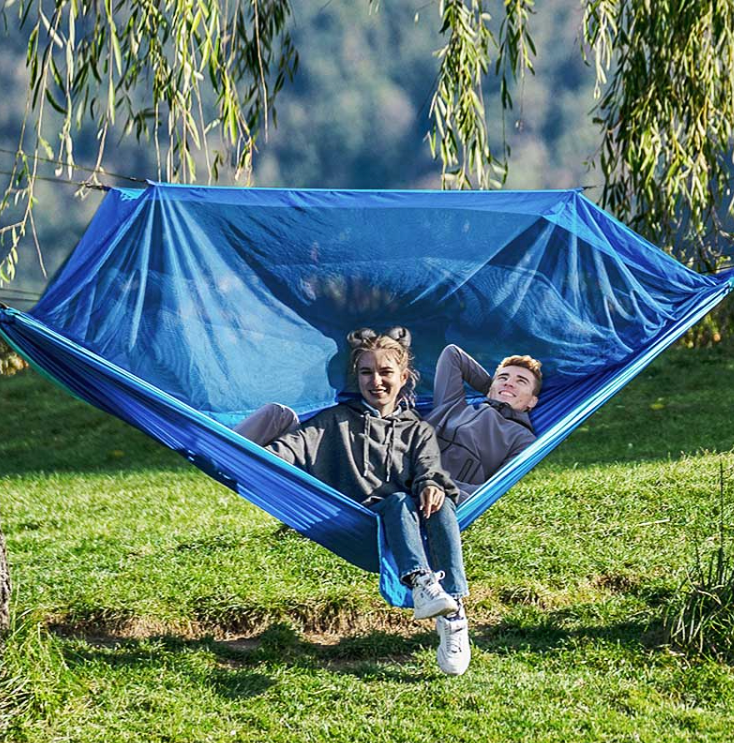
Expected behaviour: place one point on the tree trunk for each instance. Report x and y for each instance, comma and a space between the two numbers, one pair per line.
4, 587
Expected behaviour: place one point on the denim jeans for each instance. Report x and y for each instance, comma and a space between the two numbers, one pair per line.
405, 527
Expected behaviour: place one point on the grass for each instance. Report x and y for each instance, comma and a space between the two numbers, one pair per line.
151, 604
701, 618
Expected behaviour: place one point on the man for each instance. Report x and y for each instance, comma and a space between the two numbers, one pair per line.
476, 440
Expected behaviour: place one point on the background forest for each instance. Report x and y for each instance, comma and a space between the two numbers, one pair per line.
355, 116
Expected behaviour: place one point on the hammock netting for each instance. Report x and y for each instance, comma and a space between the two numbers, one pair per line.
183, 309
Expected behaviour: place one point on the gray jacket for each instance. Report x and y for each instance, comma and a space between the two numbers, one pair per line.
475, 440
367, 457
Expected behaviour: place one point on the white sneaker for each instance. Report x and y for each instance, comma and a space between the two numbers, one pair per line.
429, 598
454, 652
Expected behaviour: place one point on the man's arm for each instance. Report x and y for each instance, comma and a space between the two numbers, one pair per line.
455, 367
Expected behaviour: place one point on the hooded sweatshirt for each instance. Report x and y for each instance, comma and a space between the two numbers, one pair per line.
365, 456
477, 439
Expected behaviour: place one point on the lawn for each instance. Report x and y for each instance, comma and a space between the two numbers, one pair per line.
152, 604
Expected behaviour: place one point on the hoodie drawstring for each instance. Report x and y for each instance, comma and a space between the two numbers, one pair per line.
389, 449
365, 457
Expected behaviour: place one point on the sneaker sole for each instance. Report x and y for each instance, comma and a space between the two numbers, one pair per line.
452, 670
439, 609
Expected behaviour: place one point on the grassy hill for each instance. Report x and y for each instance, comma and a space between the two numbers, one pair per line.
152, 604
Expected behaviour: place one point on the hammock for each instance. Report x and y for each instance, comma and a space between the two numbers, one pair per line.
183, 309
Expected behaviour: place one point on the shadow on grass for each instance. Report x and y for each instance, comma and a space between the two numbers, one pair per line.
240, 668
168, 654
549, 635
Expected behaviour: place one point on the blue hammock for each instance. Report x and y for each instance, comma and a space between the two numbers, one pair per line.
183, 309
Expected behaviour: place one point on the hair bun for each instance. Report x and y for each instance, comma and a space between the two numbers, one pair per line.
359, 337
401, 335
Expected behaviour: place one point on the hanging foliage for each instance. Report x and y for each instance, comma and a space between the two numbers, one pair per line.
665, 110
459, 132
10, 362
186, 71
666, 117
179, 72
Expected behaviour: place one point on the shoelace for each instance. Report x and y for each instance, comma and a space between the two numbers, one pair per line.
434, 587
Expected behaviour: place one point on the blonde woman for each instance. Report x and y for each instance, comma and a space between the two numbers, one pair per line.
378, 451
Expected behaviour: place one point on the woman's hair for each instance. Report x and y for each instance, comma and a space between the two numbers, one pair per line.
397, 340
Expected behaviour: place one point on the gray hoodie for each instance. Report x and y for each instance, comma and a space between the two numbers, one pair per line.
475, 440
365, 456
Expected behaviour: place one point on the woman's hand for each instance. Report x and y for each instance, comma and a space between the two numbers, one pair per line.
432, 499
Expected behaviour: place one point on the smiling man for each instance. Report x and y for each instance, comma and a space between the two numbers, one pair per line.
476, 440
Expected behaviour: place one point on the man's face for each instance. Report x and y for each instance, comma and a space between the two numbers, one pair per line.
514, 385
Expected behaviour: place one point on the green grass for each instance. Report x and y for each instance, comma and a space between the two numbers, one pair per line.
152, 604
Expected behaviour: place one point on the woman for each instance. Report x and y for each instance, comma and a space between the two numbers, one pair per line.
378, 451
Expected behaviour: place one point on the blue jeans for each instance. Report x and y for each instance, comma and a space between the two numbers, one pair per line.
405, 527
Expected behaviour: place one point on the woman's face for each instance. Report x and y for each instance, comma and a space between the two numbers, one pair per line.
380, 379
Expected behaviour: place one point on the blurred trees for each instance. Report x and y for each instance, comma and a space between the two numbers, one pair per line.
199, 79
176, 72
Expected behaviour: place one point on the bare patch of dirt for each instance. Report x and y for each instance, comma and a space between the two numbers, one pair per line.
326, 631
616, 582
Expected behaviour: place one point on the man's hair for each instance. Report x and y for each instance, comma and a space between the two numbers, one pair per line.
527, 362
